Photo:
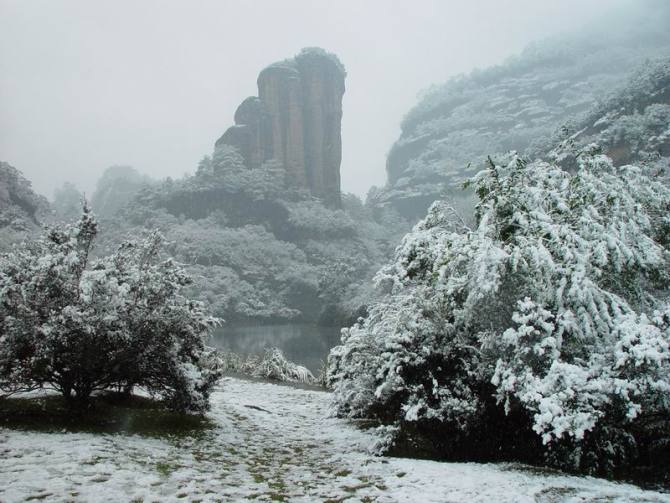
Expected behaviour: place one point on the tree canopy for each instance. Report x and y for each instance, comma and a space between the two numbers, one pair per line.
549, 320
80, 325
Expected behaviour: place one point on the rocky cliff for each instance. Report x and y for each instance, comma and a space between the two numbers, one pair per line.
22, 211
519, 105
296, 121
632, 126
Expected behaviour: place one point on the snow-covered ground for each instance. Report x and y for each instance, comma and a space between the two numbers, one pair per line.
269, 443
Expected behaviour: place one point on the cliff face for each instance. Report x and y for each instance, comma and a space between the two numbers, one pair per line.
632, 126
20, 206
519, 105
295, 120
22, 211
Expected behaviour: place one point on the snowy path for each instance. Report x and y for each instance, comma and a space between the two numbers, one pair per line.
270, 443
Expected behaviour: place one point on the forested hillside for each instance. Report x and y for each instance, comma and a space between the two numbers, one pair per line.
21, 209
258, 248
518, 105
631, 126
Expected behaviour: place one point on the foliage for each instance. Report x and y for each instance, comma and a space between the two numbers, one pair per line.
311, 218
80, 325
274, 365
225, 169
258, 248
21, 209
632, 125
244, 272
548, 320
271, 365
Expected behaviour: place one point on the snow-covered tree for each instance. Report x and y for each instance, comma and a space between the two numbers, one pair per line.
78, 325
548, 322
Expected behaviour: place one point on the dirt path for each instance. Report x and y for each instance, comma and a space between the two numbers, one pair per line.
268, 443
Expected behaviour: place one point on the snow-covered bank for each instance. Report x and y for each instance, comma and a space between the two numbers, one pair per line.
269, 443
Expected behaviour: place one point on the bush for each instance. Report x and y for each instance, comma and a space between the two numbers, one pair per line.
273, 365
80, 326
544, 332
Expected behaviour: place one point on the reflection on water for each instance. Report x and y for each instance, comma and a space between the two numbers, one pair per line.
306, 345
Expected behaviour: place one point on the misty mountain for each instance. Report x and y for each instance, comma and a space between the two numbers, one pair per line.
262, 225
117, 186
490, 322
258, 247
21, 209
519, 105
631, 126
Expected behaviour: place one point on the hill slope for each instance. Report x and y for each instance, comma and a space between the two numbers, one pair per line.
515, 106
21, 209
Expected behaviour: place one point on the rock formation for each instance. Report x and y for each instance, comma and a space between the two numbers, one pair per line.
20, 206
520, 105
296, 120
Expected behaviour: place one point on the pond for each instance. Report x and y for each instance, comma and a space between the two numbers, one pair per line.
304, 344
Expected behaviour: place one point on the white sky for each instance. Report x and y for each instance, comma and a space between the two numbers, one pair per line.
86, 84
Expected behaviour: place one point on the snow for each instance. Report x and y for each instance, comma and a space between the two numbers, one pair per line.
269, 442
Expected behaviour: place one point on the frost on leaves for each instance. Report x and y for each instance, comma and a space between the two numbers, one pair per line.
551, 316
78, 325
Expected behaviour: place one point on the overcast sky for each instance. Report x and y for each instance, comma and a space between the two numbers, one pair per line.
87, 84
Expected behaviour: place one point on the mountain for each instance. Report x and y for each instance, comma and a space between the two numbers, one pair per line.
262, 224
22, 211
631, 126
518, 105
295, 121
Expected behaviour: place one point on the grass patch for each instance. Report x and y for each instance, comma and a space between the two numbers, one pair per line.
356, 488
39, 497
555, 493
165, 469
109, 413
277, 485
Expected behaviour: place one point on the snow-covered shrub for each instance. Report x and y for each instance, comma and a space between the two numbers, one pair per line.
271, 365
274, 365
79, 325
544, 329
